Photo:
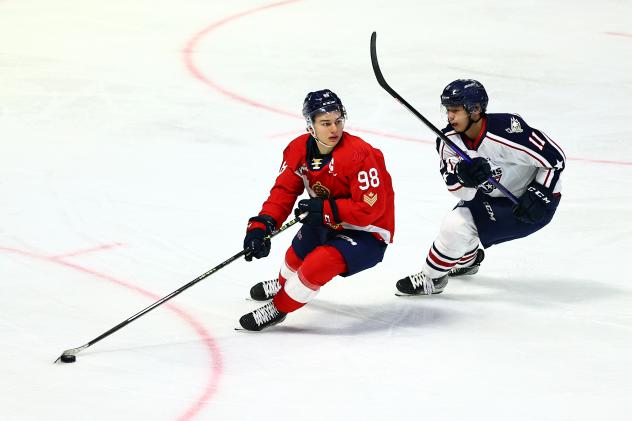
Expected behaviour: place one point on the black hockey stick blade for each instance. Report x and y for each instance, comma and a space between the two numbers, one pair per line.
70, 353
376, 68
382, 81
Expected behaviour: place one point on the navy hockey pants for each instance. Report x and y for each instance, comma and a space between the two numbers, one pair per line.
360, 249
495, 222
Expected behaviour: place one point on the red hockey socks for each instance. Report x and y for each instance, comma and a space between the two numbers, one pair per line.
318, 268
290, 265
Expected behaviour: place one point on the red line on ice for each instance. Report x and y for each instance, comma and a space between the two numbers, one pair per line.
189, 52
620, 34
209, 342
88, 250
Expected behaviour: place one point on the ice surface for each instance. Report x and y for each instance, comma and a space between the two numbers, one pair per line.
138, 137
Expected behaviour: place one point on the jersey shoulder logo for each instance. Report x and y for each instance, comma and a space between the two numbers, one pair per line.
514, 126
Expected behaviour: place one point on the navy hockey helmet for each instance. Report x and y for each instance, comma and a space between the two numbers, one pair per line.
466, 92
323, 101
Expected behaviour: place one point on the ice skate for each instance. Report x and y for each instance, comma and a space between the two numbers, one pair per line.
261, 318
469, 270
421, 284
265, 290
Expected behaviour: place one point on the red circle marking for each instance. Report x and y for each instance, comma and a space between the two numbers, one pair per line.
211, 346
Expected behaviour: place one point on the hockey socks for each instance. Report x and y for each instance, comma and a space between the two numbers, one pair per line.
266, 290
439, 263
469, 265
290, 265
319, 267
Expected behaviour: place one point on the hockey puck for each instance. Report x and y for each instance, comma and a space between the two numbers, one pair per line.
68, 358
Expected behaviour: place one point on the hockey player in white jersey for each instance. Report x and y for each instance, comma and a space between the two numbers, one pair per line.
523, 159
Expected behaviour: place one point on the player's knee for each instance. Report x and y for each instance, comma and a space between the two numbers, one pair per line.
290, 265
321, 265
458, 225
292, 261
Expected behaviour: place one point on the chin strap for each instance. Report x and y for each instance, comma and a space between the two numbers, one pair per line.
321, 143
313, 133
469, 118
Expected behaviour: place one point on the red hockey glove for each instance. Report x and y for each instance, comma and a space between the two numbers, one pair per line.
319, 212
255, 242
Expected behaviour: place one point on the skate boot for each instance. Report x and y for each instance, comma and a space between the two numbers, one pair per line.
265, 290
421, 284
472, 269
261, 318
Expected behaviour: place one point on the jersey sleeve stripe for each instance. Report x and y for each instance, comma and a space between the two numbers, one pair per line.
552, 183
547, 179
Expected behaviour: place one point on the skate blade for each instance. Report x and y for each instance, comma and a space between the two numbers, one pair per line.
401, 294
258, 301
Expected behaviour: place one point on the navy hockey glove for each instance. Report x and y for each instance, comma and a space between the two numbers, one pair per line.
475, 173
255, 242
319, 212
533, 204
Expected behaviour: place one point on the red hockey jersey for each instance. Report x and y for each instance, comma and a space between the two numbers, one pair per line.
353, 174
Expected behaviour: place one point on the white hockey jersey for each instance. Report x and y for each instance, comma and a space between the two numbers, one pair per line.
518, 155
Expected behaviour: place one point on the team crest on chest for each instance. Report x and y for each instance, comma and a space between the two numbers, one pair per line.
487, 187
370, 198
514, 126
320, 190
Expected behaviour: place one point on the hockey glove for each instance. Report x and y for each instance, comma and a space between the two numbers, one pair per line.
319, 212
473, 174
255, 242
533, 204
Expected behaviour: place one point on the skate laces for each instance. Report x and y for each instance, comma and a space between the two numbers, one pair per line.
265, 314
421, 280
271, 287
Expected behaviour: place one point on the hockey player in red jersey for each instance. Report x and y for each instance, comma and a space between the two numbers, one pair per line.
503, 146
349, 214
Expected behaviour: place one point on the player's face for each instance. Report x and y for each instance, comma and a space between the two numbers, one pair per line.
328, 128
457, 117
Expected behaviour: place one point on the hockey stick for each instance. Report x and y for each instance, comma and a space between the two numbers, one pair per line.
380, 79
69, 354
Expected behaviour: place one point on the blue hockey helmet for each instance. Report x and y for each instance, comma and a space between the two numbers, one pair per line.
323, 101
466, 92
